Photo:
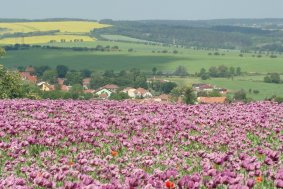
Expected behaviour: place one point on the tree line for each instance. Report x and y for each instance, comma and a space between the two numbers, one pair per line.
220, 71
101, 48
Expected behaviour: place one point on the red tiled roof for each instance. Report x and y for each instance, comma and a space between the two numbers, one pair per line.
103, 95
86, 81
64, 88
212, 100
110, 86
141, 91
206, 87
51, 87
27, 76
88, 91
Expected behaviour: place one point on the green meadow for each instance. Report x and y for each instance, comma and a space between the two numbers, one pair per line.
144, 57
251, 83
147, 56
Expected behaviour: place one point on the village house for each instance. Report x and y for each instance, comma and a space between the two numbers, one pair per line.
106, 91
65, 88
28, 77
130, 91
103, 96
86, 83
45, 86
211, 100
89, 91
137, 93
142, 93
103, 93
111, 87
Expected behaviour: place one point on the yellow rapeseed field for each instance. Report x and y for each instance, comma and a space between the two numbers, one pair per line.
45, 39
63, 26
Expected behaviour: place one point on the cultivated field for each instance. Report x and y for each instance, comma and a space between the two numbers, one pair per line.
64, 27
75, 30
79, 144
45, 39
144, 58
122, 38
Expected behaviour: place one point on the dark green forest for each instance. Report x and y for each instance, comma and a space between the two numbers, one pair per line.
259, 35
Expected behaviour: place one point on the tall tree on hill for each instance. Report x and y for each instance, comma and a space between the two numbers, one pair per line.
86, 73
181, 71
62, 71
41, 69
140, 81
154, 70
213, 71
238, 71
232, 70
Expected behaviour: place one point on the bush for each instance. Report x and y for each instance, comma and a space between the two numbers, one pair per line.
240, 95
10, 84
272, 78
256, 91
189, 96
273, 56
119, 96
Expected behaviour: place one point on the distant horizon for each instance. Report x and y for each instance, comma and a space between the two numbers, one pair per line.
70, 18
142, 10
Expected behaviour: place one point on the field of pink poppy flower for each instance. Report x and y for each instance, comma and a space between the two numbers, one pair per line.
123, 145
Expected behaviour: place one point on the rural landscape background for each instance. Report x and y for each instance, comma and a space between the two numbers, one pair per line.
253, 45
158, 94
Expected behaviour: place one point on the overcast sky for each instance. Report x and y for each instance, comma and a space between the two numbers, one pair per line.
141, 9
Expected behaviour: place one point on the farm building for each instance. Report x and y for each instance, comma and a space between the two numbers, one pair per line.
130, 91
137, 93
202, 87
